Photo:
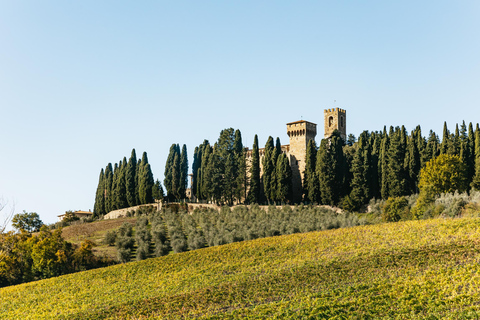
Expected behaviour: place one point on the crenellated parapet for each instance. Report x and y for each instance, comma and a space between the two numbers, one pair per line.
335, 119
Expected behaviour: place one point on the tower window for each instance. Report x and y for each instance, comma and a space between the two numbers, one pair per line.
330, 121
341, 121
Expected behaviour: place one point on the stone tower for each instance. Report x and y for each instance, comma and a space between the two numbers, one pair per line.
299, 132
335, 119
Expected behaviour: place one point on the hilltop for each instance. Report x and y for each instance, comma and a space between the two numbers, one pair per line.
413, 269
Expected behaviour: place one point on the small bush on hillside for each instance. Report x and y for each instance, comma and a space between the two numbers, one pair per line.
124, 242
159, 235
395, 209
143, 238
110, 238
452, 203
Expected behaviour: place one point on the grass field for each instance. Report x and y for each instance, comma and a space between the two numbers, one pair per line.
409, 270
95, 231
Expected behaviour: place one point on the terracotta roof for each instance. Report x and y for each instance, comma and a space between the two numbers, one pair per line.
300, 121
81, 212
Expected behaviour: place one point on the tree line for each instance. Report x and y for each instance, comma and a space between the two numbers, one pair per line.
378, 165
27, 257
126, 184
224, 174
383, 164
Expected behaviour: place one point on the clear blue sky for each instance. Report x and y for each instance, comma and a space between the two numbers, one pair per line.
84, 82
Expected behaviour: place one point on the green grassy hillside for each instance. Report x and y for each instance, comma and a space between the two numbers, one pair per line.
416, 269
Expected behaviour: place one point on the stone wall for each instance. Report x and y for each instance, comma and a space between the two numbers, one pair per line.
120, 213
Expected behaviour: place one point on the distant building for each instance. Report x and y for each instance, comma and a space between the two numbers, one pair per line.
78, 214
300, 132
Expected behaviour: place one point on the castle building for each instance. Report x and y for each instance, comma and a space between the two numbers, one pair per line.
300, 133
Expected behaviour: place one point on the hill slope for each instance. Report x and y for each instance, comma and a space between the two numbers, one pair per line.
414, 269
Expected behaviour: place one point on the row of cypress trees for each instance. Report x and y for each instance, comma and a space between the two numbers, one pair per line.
126, 184
220, 172
176, 173
383, 164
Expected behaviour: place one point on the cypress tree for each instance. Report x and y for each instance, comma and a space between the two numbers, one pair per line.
99, 207
310, 179
456, 142
395, 168
138, 175
205, 174
183, 173
324, 173
229, 178
338, 166
375, 184
130, 180
432, 149
121, 192
421, 145
114, 193
277, 151
476, 178
168, 181
412, 165
361, 173
199, 167
176, 175
268, 170
108, 188
146, 182
284, 179
241, 167
383, 167
254, 192
471, 153
157, 191
444, 147
195, 167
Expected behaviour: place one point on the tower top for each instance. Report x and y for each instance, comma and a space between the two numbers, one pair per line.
335, 119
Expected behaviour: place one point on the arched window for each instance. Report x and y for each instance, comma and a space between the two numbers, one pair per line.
330, 121
341, 121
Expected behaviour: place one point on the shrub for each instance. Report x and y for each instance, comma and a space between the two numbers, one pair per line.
143, 238
124, 242
395, 209
110, 238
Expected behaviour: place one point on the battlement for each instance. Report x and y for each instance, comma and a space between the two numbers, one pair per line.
340, 110
335, 119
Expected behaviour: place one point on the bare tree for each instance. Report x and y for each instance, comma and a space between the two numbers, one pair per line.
7, 217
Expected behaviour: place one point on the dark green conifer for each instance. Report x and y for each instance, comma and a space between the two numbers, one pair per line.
157, 191
324, 173
283, 179
268, 170
241, 168
471, 153
444, 147
255, 191
310, 179
99, 207
183, 173
114, 193
476, 178
395, 168
146, 182
130, 180
383, 167
121, 190
108, 188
